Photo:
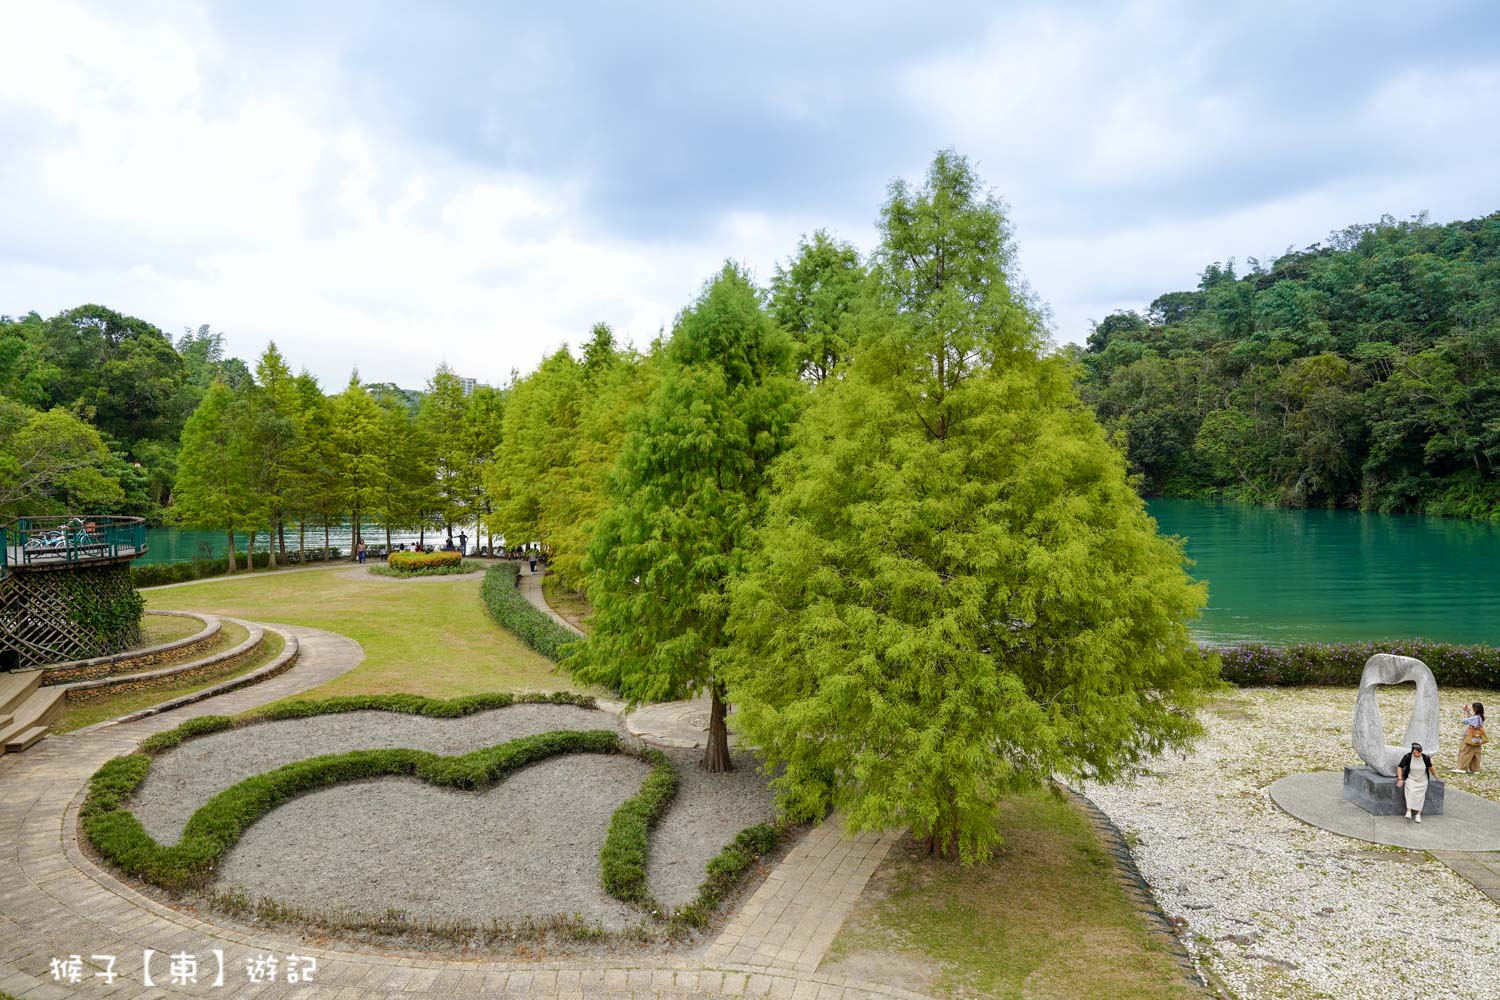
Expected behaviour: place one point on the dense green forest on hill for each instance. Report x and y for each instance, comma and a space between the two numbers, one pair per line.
1360, 372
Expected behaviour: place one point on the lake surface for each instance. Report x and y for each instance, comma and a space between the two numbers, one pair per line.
1285, 576
172, 545
1273, 575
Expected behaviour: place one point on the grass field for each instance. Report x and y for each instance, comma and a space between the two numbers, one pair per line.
157, 630
76, 715
428, 637
1043, 919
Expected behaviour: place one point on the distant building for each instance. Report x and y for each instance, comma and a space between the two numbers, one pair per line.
469, 385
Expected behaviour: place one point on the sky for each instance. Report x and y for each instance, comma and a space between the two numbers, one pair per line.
389, 186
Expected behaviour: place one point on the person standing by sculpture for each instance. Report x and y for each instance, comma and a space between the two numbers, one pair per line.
1473, 741
1412, 774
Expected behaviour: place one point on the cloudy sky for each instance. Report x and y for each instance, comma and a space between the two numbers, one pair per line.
394, 184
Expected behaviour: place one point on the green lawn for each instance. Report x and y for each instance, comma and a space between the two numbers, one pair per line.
428, 636
158, 630
78, 714
1044, 919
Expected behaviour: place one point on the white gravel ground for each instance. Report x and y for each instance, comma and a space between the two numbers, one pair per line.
1278, 909
527, 847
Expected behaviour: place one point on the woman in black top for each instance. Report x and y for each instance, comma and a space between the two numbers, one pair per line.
1415, 783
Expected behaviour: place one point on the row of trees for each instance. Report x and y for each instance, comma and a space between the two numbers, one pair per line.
1364, 372
867, 508
275, 451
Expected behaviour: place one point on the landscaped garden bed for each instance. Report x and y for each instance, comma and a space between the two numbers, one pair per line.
458, 823
420, 564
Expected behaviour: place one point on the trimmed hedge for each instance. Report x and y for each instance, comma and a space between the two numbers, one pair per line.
219, 823
415, 562
157, 574
622, 859
725, 873
447, 569
1339, 664
514, 612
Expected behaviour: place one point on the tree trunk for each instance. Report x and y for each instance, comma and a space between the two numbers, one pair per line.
250, 552
354, 537
327, 549
271, 546
232, 566
301, 542
387, 541
281, 536
716, 757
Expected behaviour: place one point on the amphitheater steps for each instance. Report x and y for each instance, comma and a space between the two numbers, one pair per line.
36, 712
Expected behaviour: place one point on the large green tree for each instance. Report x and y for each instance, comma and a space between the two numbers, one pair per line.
682, 501
213, 490
956, 594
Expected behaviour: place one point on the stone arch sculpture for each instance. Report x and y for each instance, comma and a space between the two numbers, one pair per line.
1369, 727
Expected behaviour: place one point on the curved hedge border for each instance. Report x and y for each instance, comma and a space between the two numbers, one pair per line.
622, 859
222, 820
1340, 664
514, 612
217, 826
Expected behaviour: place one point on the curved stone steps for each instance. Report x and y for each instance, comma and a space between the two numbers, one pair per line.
126, 662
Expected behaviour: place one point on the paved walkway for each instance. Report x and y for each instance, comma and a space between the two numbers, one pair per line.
55, 902
788, 925
531, 589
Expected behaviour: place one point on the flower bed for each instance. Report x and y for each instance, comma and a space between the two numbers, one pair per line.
513, 611
1339, 664
418, 562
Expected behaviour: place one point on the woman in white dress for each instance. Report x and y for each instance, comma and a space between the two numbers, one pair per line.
1412, 774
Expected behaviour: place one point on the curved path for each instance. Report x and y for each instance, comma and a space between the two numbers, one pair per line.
56, 903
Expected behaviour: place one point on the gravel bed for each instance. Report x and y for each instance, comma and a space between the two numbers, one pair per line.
183, 779
706, 814
1279, 909
527, 847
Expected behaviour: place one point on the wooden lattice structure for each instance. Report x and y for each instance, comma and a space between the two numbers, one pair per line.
65, 590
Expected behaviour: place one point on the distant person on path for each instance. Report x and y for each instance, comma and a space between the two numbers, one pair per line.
360, 550
533, 562
1415, 783
463, 543
1472, 744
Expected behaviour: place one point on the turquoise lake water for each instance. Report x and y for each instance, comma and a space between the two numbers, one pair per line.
1273, 575
1285, 576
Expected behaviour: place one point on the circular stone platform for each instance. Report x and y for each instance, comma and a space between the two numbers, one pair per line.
1468, 823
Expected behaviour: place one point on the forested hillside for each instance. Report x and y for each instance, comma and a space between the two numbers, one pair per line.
92, 404
1362, 372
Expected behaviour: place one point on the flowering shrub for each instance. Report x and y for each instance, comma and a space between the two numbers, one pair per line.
1255, 664
415, 562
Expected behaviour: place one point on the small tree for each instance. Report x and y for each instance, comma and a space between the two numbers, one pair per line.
956, 594
682, 501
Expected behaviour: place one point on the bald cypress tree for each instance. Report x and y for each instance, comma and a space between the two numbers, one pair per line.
955, 594
685, 494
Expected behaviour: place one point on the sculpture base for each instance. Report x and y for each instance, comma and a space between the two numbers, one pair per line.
1378, 795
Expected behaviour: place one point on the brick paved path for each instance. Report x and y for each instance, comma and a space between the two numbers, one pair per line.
54, 902
794, 916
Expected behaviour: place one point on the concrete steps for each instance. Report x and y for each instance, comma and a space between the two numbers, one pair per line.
36, 711
16, 687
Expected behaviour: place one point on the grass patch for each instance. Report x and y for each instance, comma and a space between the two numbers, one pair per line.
404, 571
78, 714
569, 603
1039, 920
158, 630
434, 640
512, 610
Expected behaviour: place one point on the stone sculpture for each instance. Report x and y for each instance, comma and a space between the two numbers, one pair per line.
1369, 727
1373, 788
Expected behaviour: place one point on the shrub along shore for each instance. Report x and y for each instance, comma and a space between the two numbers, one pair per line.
1339, 664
